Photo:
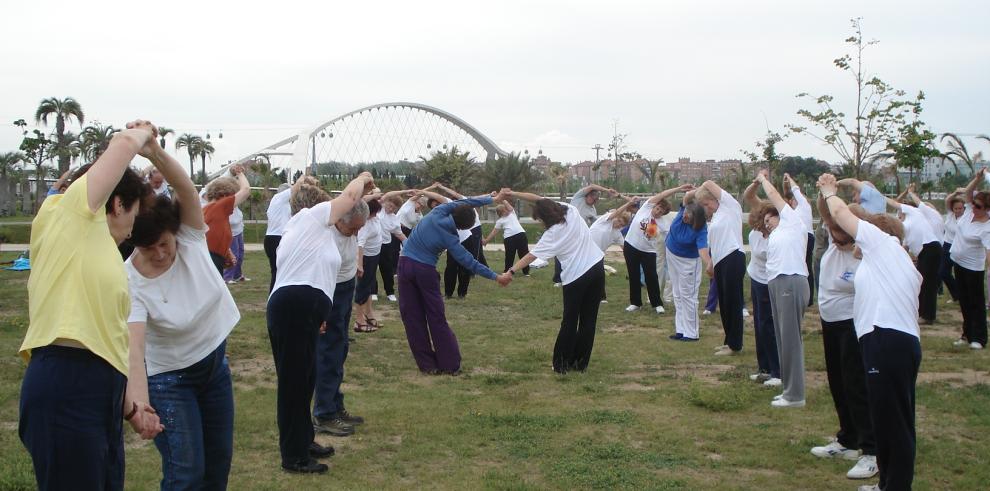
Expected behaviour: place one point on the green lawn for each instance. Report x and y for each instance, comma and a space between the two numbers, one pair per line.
648, 414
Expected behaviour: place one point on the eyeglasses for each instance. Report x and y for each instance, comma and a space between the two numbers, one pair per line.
978, 206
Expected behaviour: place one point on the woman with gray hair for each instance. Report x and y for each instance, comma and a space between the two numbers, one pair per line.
686, 242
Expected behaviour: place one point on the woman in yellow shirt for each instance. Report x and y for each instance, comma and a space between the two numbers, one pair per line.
73, 401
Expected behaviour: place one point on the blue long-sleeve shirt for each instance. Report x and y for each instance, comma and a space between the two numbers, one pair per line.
683, 240
436, 232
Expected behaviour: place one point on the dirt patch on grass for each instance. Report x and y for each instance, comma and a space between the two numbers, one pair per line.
967, 377
621, 328
636, 387
710, 373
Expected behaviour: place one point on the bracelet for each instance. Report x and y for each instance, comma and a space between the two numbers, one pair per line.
134, 409
831, 196
511, 272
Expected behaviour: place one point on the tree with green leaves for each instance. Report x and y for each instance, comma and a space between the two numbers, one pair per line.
453, 167
191, 143
914, 145
880, 112
957, 152
511, 171
9, 162
204, 149
64, 110
559, 175
162, 133
764, 157
95, 139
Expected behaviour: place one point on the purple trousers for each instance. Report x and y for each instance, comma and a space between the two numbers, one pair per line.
431, 341
237, 246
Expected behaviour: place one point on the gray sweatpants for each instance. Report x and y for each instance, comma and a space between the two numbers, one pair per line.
788, 300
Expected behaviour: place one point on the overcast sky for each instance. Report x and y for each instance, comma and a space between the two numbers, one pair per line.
699, 79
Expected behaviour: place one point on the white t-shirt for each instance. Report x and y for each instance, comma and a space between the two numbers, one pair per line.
836, 287
236, 220
187, 310
408, 216
757, 268
389, 223
725, 229
588, 212
305, 255
510, 225
969, 249
934, 219
162, 190
788, 245
603, 234
279, 212
643, 229
917, 230
369, 238
463, 235
887, 284
804, 209
348, 247
950, 228
570, 242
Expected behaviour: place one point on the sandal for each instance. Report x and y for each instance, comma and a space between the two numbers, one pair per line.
373, 323
359, 327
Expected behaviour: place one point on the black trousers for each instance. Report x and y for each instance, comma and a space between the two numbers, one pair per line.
729, 274
367, 284
457, 277
294, 317
928, 264
945, 271
218, 261
406, 231
388, 259
892, 359
636, 261
973, 304
847, 383
557, 269
515, 246
808, 256
576, 338
271, 245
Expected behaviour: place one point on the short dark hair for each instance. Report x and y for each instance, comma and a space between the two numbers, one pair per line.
162, 216
984, 198
131, 188
549, 212
374, 206
698, 218
463, 217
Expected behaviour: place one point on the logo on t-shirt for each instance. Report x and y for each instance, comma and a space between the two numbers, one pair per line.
847, 275
649, 228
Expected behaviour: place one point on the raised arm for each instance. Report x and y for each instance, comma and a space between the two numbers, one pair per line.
850, 182
185, 193
775, 198
526, 196
836, 206
349, 197
625, 206
912, 196
750, 197
104, 175
244, 191
973, 185
670, 192
434, 196
713, 188
403, 192
450, 192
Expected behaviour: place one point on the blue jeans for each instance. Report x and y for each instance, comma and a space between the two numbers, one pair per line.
331, 352
71, 419
196, 405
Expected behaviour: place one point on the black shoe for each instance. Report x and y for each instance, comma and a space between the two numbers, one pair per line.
687, 339
308, 467
318, 451
333, 427
676, 337
347, 417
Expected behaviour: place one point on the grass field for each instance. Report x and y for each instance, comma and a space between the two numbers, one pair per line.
648, 414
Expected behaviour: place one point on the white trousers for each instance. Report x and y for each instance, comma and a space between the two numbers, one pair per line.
685, 279
663, 276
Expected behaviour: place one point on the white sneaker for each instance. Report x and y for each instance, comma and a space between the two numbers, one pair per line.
975, 345
725, 352
632, 308
604, 301
835, 449
391, 298
706, 312
778, 397
721, 347
959, 342
785, 403
773, 382
374, 298
745, 313
557, 285
870, 487
660, 309
865, 468
759, 377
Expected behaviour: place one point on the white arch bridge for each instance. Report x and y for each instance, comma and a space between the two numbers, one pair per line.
392, 132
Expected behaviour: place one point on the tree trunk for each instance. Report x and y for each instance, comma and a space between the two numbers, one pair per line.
63, 156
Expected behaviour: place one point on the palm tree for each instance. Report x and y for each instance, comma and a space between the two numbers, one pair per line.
62, 109
162, 133
95, 139
191, 143
9, 161
957, 149
559, 175
205, 148
511, 171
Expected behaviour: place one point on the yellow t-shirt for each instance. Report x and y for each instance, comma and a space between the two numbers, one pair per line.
78, 287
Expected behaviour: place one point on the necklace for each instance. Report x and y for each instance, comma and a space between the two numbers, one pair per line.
168, 286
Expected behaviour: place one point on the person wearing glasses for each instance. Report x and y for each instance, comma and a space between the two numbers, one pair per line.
971, 252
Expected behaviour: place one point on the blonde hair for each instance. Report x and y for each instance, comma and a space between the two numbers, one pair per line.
702, 193
307, 196
221, 188
501, 210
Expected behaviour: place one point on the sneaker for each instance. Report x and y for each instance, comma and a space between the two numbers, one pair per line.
632, 308
333, 427
307, 467
835, 449
865, 468
726, 352
557, 285
870, 487
706, 312
676, 337
243, 278
959, 342
721, 347
391, 298
687, 339
231, 282
785, 403
660, 309
604, 301
348, 418
975, 345
318, 451
949, 301
773, 382
778, 397
760, 377
745, 313
374, 298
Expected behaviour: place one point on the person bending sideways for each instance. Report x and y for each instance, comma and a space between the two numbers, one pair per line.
640, 250
222, 196
73, 400
795, 198
687, 251
514, 239
767, 358
607, 229
181, 314
886, 320
971, 252
582, 273
456, 277
431, 341
369, 255
925, 247
392, 239
308, 263
843, 355
955, 205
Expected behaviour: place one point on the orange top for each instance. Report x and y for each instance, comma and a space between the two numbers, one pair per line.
217, 216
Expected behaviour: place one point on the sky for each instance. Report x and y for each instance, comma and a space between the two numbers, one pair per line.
703, 79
